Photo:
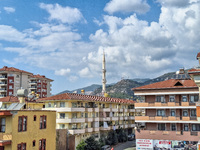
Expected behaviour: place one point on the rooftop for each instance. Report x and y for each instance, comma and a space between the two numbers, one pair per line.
12, 69
74, 96
169, 84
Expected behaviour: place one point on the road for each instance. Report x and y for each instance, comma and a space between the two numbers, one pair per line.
123, 146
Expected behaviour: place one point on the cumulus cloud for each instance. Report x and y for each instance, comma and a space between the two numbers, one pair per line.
85, 72
175, 3
63, 14
138, 6
62, 72
9, 9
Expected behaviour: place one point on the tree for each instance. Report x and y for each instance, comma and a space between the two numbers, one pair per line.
122, 135
81, 145
112, 138
92, 144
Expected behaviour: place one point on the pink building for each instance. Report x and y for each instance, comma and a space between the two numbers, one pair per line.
170, 119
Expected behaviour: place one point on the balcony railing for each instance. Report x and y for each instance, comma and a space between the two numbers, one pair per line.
76, 131
162, 118
5, 136
167, 104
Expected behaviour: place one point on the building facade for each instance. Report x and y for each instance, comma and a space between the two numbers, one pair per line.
27, 129
86, 115
13, 79
170, 119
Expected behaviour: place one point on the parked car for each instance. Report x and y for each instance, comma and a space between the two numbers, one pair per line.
131, 137
106, 147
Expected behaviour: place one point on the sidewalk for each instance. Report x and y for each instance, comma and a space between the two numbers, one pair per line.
123, 146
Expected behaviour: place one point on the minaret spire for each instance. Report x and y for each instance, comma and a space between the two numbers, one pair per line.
103, 74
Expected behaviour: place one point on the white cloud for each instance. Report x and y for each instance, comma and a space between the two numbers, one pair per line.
85, 72
62, 72
9, 9
138, 6
175, 3
64, 14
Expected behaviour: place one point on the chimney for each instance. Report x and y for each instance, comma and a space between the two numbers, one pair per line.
22, 94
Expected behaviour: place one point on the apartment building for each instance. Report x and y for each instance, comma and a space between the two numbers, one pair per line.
12, 79
27, 129
86, 115
170, 119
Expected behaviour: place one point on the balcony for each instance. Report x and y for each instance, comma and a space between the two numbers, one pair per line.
96, 109
5, 139
131, 117
167, 104
105, 109
73, 120
131, 125
105, 119
114, 110
3, 83
121, 118
89, 109
3, 78
168, 135
165, 119
131, 110
105, 129
33, 83
125, 110
65, 109
125, 117
32, 87
89, 130
3, 90
96, 119
76, 131
120, 110
114, 118
88, 119
95, 129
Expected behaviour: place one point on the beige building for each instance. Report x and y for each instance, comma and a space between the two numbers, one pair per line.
12, 79
85, 115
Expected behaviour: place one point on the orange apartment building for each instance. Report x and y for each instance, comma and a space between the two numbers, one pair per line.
170, 119
12, 79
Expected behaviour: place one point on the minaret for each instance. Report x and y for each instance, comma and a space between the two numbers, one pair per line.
104, 75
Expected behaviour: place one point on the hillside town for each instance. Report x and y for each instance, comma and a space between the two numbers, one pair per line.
165, 116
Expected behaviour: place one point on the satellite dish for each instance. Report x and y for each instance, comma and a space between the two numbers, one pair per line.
1, 104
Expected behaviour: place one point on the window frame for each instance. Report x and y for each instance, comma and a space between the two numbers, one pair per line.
192, 113
22, 127
42, 144
3, 125
194, 98
182, 98
20, 146
43, 122
161, 127
173, 98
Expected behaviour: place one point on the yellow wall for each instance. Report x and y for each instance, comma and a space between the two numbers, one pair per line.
33, 132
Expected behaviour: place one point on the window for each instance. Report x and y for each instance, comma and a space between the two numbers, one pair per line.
74, 126
34, 118
10, 93
74, 105
21, 146
185, 113
172, 98
194, 98
185, 127
160, 112
86, 115
173, 127
10, 87
160, 99
22, 123
10, 80
74, 115
195, 127
184, 98
49, 104
62, 115
193, 113
62, 104
42, 144
173, 112
34, 143
62, 126
82, 115
3, 125
97, 114
5, 106
43, 122
161, 126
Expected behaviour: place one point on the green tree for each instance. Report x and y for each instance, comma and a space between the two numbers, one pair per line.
81, 145
112, 138
92, 144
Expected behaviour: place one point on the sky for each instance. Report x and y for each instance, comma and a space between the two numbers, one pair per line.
65, 39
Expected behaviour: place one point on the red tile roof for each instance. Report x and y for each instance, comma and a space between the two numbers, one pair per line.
172, 83
9, 99
40, 77
12, 69
198, 55
74, 96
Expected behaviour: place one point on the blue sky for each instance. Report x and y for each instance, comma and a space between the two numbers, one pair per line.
65, 39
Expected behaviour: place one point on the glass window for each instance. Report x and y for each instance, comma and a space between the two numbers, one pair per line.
172, 98
161, 126
173, 112
3, 125
43, 122
184, 98
86, 115
62, 126
21, 146
22, 123
49, 104
173, 127
74, 115
82, 115
195, 127
62, 115
42, 144
74, 105
185, 127
160, 99
194, 98
160, 112
185, 113
193, 113
62, 104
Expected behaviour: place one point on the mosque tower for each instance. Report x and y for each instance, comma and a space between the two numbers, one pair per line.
104, 75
